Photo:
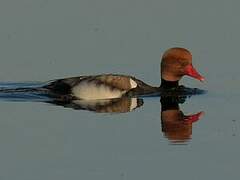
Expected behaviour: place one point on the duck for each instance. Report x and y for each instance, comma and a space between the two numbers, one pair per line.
175, 63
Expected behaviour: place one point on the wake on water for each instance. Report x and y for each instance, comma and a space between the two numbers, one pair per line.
23, 92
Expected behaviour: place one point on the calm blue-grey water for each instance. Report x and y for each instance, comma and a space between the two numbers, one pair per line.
41, 40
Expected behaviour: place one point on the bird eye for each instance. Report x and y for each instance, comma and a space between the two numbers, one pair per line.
184, 63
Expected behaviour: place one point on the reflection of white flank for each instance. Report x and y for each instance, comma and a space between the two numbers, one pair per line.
91, 103
133, 103
89, 90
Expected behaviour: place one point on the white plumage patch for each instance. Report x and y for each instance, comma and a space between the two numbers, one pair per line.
89, 90
133, 83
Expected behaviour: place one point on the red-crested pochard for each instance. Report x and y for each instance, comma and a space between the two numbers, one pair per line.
176, 62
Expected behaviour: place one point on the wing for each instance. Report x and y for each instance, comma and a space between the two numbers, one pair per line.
63, 86
121, 82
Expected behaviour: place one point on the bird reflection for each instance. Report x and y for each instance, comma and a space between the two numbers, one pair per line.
176, 126
118, 105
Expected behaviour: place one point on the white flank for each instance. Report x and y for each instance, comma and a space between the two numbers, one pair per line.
89, 90
133, 103
133, 83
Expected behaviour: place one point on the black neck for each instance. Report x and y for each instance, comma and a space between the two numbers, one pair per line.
168, 84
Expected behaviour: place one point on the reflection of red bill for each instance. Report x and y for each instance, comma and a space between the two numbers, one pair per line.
194, 117
191, 71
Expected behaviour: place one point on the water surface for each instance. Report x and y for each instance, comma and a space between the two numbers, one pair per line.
48, 39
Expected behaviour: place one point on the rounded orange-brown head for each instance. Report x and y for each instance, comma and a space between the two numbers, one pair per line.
177, 62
